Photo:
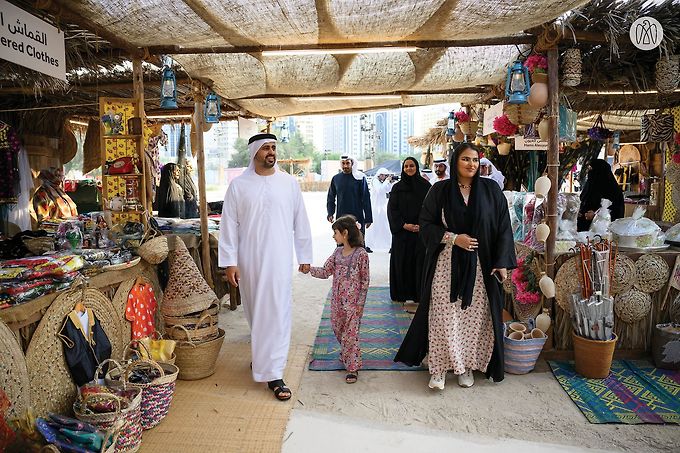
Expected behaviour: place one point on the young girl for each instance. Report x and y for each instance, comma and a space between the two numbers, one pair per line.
349, 267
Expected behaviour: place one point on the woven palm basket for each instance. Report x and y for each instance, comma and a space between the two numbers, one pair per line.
567, 282
632, 306
187, 290
52, 388
624, 274
13, 373
119, 301
651, 273
521, 252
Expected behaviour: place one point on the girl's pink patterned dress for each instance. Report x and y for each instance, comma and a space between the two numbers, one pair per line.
348, 296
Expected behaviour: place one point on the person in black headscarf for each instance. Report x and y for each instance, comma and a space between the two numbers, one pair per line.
600, 183
465, 225
408, 251
170, 197
189, 190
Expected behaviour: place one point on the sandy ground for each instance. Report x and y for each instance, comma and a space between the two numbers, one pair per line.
531, 409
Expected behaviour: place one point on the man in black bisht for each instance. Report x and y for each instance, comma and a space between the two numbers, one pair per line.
351, 190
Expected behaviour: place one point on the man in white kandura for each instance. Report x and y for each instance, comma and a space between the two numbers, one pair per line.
263, 219
379, 236
441, 169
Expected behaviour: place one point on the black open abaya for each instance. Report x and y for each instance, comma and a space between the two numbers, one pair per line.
408, 252
169, 197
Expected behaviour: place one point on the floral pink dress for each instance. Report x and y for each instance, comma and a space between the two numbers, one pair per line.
348, 296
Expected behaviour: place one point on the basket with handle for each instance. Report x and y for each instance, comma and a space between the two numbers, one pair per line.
154, 247
130, 430
205, 328
197, 360
156, 395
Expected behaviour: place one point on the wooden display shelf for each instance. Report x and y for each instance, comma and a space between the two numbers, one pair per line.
121, 136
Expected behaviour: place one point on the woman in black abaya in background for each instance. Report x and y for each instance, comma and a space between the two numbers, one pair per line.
465, 225
189, 190
170, 197
600, 183
408, 252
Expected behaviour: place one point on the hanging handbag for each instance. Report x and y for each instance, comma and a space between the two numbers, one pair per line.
656, 128
599, 131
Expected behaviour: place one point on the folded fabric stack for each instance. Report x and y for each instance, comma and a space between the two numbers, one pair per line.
25, 279
184, 226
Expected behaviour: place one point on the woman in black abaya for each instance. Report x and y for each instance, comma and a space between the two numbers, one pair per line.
170, 197
465, 225
408, 252
600, 184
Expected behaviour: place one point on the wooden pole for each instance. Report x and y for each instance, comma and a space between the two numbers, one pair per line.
203, 203
138, 93
553, 158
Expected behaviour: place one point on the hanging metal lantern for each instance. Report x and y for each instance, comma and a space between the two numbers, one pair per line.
168, 89
213, 110
517, 84
451, 125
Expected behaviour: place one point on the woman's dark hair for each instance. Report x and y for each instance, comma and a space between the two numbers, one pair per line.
349, 223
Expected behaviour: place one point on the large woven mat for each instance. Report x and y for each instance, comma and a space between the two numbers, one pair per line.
227, 412
52, 388
13, 372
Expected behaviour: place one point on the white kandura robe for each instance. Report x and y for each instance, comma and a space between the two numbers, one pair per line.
379, 236
263, 219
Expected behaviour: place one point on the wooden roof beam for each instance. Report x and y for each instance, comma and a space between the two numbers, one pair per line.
465, 90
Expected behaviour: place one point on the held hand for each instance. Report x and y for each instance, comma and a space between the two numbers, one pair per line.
330, 218
466, 242
368, 225
233, 275
304, 268
589, 215
416, 228
502, 273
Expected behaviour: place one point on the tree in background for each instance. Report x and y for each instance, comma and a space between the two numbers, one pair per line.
240, 157
296, 148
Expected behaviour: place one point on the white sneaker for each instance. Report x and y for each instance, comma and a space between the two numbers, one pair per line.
437, 382
466, 379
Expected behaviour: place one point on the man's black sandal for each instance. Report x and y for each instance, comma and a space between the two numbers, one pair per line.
279, 387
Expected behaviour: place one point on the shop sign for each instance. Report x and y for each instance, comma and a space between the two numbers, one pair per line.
31, 42
530, 144
646, 33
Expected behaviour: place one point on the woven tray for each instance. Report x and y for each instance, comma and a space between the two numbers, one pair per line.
651, 273
52, 388
567, 283
13, 372
624, 274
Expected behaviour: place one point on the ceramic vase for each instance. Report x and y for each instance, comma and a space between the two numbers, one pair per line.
544, 129
547, 286
504, 148
538, 95
542, 232
543, 320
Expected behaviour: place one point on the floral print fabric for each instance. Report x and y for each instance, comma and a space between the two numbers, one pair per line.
350, 285
459, 339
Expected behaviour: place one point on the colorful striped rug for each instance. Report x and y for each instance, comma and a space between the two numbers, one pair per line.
383, 327
634, 392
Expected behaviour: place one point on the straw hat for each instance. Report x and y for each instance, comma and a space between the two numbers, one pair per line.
187, 290
567, 283
52, 388
624, 274
13, 373
629, 153
632, 306
651, 272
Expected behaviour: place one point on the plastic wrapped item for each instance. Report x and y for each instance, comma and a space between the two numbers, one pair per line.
517, 215
635, 231
602, 218
567, 211
673, 233
70, 235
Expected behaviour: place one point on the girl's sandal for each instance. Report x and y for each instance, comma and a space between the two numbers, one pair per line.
351, 378
279, 388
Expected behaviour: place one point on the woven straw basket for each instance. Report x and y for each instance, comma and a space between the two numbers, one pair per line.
667, 74
593, 358
130, 434
155, 250
157, 395
567, 283
199, 330
632, 306
624, 274
651, 273
13, 373
197, 360
571, 67
52, 387
520, 356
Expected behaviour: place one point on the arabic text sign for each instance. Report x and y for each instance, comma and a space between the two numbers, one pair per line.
31, 42
530, 144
